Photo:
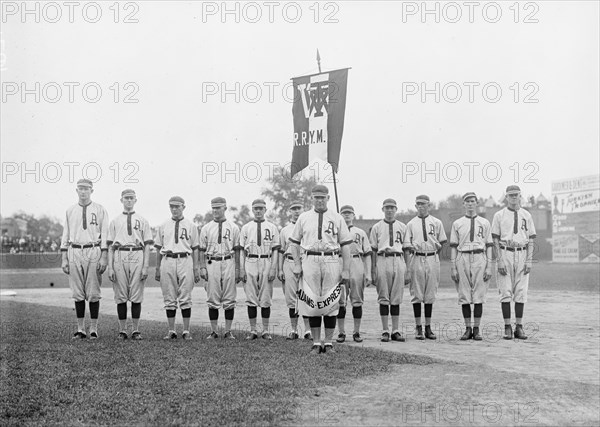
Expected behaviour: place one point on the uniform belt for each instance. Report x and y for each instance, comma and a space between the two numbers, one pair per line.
129, 248
511, 249
257, 256
87, 245
394, 254
176, 255
354, 256
330, 253
219, 258
425, 253
474, 251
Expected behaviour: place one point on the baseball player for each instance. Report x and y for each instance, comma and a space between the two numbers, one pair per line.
129, 241
260, 240
219, 243
470, 252
177, 265
389, 269
84, 255
360, 272
425, 236
513, 233
321, 233
286, 275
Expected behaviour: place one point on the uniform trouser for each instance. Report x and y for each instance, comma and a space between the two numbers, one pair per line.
177, 282
259, 291
513, 286
128, 285
291, 284
221, 290
390, 280
84, 279
321, 274
355, 289
470, 287
425, 279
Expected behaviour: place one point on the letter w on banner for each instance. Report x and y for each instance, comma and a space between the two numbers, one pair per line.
318, 110
311, 304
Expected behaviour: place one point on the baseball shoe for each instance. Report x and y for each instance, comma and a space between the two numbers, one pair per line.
397, 336
476, 334
186, 336
508, 333
341, 338
136, 336
252, 336
356, 337
328, 348
520, 333
123, 335
429, 333
172, 335
317, 349
228, 336
79, 335
93, 335
292, 336
419, 333
468, 334
385, 337
308, 336
213, 336
267, 336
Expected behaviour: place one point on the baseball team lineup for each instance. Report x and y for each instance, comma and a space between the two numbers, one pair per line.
322, 259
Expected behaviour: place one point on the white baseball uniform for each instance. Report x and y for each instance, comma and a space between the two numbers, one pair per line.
387, 240
359, 249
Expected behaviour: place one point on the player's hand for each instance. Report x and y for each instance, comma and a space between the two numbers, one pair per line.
65, 267
272, 275
454, 274
204, 273
196, 275
526, 268
102, 265
281, 276
501, 268
345, 277
487, 275
297, 270
368, 282
144, 273
157, 274
240, 276
111, 275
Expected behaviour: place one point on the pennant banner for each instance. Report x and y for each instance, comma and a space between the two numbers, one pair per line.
311, 304
318, 111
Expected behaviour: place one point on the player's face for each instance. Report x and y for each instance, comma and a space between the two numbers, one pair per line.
176, 210
296, 211
320, 202
470, 205
389, 212
513, 200
259, 212
422, 208
348, 217
84, 193
128, 202
219, 213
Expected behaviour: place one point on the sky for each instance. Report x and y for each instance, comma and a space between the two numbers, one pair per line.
194, 99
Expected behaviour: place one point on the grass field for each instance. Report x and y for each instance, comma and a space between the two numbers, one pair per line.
545, 275
49, 379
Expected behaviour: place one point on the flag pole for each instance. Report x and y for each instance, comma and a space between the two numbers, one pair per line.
337, 203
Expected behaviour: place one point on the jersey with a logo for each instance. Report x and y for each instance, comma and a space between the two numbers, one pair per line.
84, 225
177, 236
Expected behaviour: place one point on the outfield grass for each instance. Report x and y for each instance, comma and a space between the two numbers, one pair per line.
49, 379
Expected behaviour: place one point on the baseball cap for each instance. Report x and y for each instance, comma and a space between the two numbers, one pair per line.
389, 202
422, 199
469, 194
259, 203
347, 208
296, 204
127, 192
176, 200
320, 190
218, 202
513, 189
85, 183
